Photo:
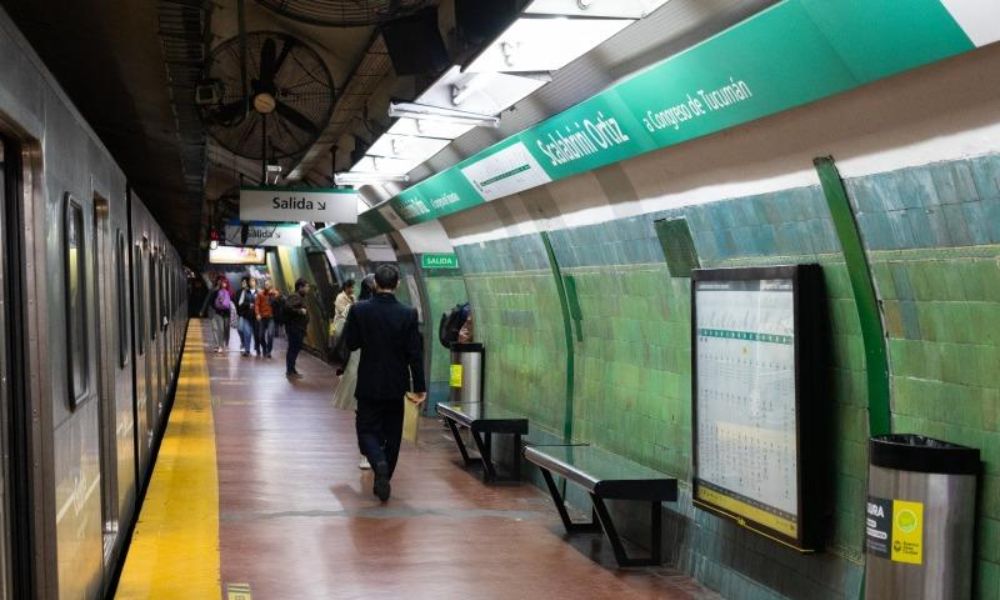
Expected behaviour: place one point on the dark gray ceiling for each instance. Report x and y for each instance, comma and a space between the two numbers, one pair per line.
107, 57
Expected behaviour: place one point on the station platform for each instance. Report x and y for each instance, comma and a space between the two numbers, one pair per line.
257, 493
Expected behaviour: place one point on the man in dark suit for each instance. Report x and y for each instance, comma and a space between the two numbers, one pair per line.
388, 335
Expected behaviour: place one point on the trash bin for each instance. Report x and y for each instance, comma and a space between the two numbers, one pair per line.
466, 378
919, 518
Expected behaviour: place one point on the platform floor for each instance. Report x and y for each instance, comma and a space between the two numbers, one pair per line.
295, 517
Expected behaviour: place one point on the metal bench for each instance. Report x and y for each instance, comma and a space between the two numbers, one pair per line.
483, 422
606, 476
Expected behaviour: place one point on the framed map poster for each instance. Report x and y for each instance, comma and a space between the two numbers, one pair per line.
748, 348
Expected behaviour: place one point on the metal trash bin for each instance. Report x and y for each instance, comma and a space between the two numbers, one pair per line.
919, 518
466, 377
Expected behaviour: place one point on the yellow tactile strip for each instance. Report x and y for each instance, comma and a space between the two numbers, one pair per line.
175, 547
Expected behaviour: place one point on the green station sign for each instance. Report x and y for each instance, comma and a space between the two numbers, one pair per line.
438, 261
791, 54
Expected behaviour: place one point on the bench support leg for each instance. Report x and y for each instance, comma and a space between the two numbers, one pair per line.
459, 442
557, 499
604, 516
485, 448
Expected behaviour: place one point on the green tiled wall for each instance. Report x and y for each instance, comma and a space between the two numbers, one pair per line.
633, 377
444, 291
933, 235
519, 320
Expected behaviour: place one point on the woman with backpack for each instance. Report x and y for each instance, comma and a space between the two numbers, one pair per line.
222, 306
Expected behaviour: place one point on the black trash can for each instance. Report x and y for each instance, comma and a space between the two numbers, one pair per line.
920, 518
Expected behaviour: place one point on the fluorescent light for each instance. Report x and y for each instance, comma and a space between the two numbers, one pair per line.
405, 146
427, 128
436, 113
361, 178
385, 165
480, 93
622, 9
538, 43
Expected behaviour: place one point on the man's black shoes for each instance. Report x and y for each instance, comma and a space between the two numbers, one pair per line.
381, 488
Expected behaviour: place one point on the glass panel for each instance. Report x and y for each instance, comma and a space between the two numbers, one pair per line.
122, 283
140, 303
75, 300
153, 318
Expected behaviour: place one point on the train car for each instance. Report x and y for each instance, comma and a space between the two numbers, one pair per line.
93, 317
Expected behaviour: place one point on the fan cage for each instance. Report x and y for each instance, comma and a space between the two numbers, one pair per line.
310, 91
344, 13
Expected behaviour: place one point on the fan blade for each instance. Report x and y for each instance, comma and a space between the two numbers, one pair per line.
296, 118
228, 112
267, 58
286, 49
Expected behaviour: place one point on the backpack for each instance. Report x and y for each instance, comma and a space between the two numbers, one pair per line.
278, 309
451, 323
222, 301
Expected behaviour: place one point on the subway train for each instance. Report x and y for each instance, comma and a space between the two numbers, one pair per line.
93, 319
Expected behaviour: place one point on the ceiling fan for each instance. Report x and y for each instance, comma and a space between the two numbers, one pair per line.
280, 112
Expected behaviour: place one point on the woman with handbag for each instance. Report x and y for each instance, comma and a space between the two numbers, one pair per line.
343, 396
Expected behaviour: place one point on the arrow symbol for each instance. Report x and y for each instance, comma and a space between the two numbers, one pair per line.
322, 205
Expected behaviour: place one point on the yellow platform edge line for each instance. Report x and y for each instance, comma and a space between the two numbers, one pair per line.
175, 547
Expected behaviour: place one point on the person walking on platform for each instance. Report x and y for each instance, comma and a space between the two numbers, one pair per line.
264, 314
388, 335
221, 300
245, 311
296, 323
343, 396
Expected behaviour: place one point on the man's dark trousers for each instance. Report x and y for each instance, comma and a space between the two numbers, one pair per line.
379, 425
295, 339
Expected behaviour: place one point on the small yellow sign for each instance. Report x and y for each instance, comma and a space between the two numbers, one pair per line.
238, 591
908, 532
456, 376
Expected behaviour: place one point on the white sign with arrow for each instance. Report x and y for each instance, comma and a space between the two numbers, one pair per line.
287, 204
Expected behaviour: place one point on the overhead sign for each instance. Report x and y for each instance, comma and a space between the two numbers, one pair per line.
507, 172
233, 255
262, 233
786, 56
288, 204
438, 261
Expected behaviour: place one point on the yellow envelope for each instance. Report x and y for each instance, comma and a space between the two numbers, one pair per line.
411, 420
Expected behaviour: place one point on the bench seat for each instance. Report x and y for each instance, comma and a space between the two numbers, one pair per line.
483, 421
606, 476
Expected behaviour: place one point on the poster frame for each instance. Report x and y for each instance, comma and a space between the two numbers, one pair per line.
806, 283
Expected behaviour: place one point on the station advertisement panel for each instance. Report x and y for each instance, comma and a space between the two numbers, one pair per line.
746, 403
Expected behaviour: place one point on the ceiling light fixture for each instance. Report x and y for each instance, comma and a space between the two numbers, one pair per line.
413, 110
354, 178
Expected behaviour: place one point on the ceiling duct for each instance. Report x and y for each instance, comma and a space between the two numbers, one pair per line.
345, 13
184, 34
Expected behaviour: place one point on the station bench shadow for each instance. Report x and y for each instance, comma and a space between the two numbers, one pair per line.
602, 474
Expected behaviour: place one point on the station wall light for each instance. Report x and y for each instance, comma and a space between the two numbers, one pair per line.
427, 112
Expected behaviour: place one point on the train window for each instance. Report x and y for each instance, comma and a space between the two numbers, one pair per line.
140, 291
76, 310
164, 313
120, 270
153, 318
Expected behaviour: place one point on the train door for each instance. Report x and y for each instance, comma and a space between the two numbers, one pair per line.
142, 399
154, 346
154, 330
164, 324
13, 400
107, 412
